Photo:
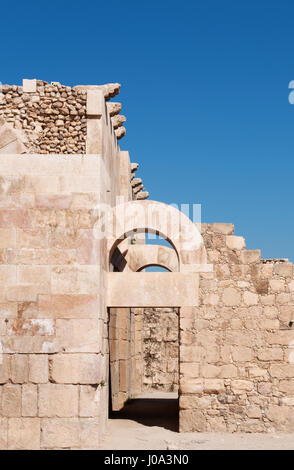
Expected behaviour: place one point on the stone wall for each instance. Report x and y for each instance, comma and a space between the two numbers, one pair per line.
160, 349
51, 116
53, 321
237, 367
236, 348
122, 355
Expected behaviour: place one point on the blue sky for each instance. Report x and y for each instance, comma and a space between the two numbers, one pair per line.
204, 89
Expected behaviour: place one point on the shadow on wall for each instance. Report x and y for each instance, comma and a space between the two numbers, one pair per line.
161, 412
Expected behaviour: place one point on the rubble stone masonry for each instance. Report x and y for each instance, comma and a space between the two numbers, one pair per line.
160, 349
52, 116
236, 353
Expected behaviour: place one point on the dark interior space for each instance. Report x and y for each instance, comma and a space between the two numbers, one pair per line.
151, 412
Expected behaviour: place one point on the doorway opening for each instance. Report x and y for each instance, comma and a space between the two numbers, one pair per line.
144, 342
144, 366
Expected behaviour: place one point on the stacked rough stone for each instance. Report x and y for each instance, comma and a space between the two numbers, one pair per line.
160, 349
138, 190
237, 364
53, 118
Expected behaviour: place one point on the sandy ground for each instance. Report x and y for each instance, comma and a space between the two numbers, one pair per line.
150, 423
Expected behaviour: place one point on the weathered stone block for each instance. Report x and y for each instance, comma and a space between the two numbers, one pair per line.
231, 296
69, 306
36, 275
283, 298
7, 275
90, 401
11, 400
190, 402
32, 238
282, 417
76, 368
38, 368
29, 400
270, 354
75, 280
192, 421
283, 269
59, 401
241, 386
19, 368
59, 433
242, 354
282, 371
287, 386
5, 369
228, 371
3, 433
90, 431
191, 353
79, 335
213, 386
210, 371
226, 229
250, 298
235, 243
190, 369
22, 293
24, 434
277, 285
95, 103
7, 237
254, 412
255, 371
29, 85
250, 256
191, 385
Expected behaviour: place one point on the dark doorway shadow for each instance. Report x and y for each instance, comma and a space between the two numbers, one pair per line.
163, 412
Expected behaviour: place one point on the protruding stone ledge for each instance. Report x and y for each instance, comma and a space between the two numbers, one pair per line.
109, 90
134, 167
142, 195
136, 182
113, 108
118, 120
120, 132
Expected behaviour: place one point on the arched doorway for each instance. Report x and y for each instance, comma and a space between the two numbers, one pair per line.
130, 287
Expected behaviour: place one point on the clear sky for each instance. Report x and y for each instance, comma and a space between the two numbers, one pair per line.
204, 89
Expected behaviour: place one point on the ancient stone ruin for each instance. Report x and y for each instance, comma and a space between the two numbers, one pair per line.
81, 320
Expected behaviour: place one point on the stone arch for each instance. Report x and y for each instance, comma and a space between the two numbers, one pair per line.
130, 289
139, 257
163, 220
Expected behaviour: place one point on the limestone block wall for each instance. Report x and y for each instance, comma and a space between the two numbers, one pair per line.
122, 355
160, 349
236, 353
53, 318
